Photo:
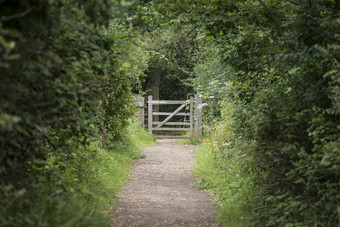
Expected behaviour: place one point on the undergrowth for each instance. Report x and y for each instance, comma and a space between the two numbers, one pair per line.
82, 195
224, 170
226, 183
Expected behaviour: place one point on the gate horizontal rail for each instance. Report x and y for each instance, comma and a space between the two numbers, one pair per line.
170, 129
166, 102
173, 123
173, 137
168, 113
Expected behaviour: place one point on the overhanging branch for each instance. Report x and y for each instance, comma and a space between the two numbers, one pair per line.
275, 21
18, 15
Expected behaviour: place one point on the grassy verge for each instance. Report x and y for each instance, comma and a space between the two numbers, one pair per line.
188, 141
221, 175
85, 193
113, 165
112, 168
219, 168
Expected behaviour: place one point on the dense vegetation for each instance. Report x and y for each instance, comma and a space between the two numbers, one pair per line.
170, 63
268, 71
65, 92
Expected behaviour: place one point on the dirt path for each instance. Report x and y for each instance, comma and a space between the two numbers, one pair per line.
161, 192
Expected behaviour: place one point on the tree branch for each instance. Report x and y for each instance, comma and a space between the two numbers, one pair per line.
294, 2
18, 15
276, 22
255, 13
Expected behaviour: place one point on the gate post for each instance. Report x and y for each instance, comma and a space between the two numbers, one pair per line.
191, 117
150, 114
198, 117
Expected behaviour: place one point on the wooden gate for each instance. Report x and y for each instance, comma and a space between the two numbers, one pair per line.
184, 125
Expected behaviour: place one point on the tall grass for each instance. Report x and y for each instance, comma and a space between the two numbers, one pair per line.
114, 164
220, 162
111, 169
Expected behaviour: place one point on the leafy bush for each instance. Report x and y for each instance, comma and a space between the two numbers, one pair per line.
65, 84
278, 64
77, 194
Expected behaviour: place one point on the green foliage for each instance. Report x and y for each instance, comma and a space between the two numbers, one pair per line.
139, 136
226, 171
210, 80
277, 62
268, 71
77, 194
114, 164
171, 51
65, 84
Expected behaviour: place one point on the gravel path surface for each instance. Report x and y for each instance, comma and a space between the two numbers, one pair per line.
161, 192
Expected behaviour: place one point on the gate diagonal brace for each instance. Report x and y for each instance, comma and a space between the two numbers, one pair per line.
171, 115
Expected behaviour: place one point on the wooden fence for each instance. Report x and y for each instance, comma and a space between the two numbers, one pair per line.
194, 126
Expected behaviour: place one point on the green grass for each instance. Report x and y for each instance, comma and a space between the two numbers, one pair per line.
90, 204
139, 136
222, 178
188, 141
113, 166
